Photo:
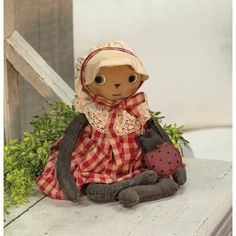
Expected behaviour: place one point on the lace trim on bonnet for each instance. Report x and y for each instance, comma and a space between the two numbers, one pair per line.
98, 115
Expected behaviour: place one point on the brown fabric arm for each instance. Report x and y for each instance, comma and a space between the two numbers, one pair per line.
67, 146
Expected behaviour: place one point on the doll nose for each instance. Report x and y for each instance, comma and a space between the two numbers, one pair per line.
117, 85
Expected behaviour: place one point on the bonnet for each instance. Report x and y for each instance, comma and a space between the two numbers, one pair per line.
113, 53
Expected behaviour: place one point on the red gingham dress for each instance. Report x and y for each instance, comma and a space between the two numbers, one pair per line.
98, 157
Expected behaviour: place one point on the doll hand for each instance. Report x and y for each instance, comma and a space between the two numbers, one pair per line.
149, 140
180, 176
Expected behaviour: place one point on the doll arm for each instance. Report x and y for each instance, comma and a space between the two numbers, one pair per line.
154, 135
67, 146
151, 123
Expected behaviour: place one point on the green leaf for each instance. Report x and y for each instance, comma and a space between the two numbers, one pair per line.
25, 160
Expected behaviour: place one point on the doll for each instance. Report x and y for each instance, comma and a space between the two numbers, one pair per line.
101, 151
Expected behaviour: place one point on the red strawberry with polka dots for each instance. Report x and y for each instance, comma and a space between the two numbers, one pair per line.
165, 160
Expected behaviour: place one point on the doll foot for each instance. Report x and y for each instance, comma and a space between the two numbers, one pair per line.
132, 196
73, 195
180, 176
76, 197
109, 192
70, 190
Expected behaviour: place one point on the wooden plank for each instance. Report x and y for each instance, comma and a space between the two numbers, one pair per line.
56, 37
65, 41
36, 71
225, 227
27, 24
11, 82
48, 36
196, 209
47, 27
11, 103
32, 104
27, 21
16, 211
9, 17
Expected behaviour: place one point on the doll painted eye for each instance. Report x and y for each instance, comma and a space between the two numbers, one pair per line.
133, 78
100, 79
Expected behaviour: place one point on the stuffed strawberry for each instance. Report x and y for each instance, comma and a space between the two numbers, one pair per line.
160, 154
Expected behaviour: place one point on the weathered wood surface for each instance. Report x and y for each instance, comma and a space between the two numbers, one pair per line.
196, 209
16, 211
47, 26
56, 36
9, 17
12, 122
27, 24
36, 71
11, 103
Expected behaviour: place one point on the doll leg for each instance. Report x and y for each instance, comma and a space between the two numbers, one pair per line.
180, 176
132, 196
109, 192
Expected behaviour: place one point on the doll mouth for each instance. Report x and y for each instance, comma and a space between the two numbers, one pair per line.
114, 95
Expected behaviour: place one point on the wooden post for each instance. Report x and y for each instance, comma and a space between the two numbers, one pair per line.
34, 69
24, 64
47, 26
11, 81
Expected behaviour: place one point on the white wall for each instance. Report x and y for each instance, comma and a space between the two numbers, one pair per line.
185, 45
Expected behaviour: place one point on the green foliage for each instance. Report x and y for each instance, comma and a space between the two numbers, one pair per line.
174, 132
157, 116
24, 160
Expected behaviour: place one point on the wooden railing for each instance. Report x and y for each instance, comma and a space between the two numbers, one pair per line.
35, 70
21, 58
22, 61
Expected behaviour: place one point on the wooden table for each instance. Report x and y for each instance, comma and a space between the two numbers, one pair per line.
201, 207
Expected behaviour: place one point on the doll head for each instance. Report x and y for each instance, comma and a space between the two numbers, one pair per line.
111, 72
116, 82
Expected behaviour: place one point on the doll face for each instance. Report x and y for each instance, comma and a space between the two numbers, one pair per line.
114, 83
